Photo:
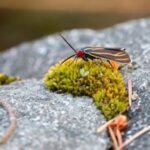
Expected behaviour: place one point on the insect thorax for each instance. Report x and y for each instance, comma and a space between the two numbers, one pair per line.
80, 53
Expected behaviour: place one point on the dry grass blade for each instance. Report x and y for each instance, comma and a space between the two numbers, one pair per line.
146, 129
12, 118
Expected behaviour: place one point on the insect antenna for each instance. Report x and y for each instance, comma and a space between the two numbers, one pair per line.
67, 43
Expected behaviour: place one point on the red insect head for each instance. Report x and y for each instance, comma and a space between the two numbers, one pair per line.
80, 53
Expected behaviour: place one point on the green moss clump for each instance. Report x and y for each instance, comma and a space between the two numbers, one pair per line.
95, 79
5, 79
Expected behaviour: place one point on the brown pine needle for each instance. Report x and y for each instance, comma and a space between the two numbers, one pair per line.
12, 118
119, 136
146, 129
113, 137
115, 127
130, 92
114, 64
104, 126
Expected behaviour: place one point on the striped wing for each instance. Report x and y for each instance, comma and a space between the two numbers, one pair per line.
116, 54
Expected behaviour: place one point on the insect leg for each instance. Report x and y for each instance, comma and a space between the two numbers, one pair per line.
73, 60
97, 61
101, 59
68, 58
109, 63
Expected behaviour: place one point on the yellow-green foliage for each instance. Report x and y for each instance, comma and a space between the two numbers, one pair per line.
5, 79
94, 79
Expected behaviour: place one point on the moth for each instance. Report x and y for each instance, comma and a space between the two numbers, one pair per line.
90, 53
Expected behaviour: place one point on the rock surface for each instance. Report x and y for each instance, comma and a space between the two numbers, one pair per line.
50, 121
33, 59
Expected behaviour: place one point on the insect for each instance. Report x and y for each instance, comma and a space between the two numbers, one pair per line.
90, 53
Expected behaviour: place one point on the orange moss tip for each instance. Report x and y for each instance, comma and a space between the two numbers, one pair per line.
114, 64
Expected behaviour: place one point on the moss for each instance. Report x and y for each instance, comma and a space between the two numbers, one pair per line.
5, 79
95, 79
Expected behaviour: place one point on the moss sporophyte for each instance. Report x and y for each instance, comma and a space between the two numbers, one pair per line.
96, 79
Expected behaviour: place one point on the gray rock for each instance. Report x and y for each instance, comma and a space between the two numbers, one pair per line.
50, 121
33, 59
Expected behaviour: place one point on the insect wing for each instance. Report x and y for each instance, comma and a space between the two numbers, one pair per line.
103, 48
116, 54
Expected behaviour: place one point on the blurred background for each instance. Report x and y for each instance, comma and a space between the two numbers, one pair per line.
25, 20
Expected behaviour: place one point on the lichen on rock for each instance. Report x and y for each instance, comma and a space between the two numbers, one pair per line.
91, 78
5, 79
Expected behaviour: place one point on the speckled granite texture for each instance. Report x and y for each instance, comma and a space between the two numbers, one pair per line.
50, 121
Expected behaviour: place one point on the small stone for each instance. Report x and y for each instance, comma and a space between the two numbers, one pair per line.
134, 95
